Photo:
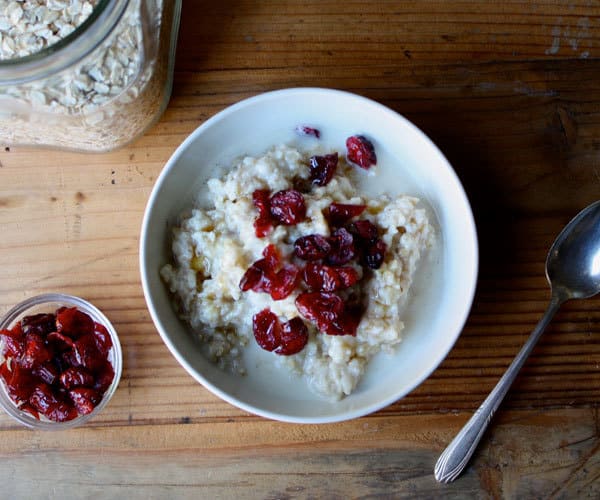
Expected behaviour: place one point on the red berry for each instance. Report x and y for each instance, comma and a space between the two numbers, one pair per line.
263, 276
267, 329
288, 207
312, 247
262, 223
41, 324
322, 168
294, 336
104, 377
364, 229
76, 377
287, 339
46, 372
374, 254
328, 312
323, 278
305, 130
62, 412
340, 213
42, 398
84, 399
342, 247
13, 342
284, 282
36, 351
59, 341
73, 322
103, 339
86, 353
361, 151
20, 383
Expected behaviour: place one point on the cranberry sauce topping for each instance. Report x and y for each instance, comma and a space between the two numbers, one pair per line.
361, 151
285, 339
57, 364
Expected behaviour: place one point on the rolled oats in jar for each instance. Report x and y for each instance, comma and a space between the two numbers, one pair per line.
89, 75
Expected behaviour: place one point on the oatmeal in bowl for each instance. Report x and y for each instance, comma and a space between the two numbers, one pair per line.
291, 256
308, 268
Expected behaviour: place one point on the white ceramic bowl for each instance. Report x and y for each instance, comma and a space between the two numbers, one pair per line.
408, 162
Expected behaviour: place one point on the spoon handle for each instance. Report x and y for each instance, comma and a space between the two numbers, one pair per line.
456, 456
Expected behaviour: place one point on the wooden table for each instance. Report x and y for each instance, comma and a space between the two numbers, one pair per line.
510, 91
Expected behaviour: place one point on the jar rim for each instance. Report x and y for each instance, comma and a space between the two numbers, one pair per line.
67, 51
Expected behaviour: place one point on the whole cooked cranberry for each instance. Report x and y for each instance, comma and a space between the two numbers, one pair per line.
360, 151
342, 247
41, 324
267, 329
324, 278
339, 213
374, 254
312, 247
294, 336
262, 223
288, 207
322, 168
306, 130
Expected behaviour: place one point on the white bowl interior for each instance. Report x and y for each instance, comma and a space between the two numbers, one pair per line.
408, 163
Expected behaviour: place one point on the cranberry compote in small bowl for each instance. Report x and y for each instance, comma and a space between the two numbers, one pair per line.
60, 361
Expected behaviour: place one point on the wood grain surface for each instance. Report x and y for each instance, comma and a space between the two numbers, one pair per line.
509, 91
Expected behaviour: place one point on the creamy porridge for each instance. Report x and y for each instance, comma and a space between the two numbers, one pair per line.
219, 251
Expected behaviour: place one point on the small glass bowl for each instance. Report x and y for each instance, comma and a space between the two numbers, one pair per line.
49, 303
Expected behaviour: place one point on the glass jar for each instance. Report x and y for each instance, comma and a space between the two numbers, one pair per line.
99, 87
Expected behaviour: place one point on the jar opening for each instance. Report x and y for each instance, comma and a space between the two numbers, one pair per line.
67, 50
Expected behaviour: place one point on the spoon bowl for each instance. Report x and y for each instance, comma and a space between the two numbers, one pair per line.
573, 271
573, 262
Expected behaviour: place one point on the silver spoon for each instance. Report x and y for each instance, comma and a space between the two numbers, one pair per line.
573, 271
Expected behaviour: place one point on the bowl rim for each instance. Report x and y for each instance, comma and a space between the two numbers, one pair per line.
283, 416
18, 311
